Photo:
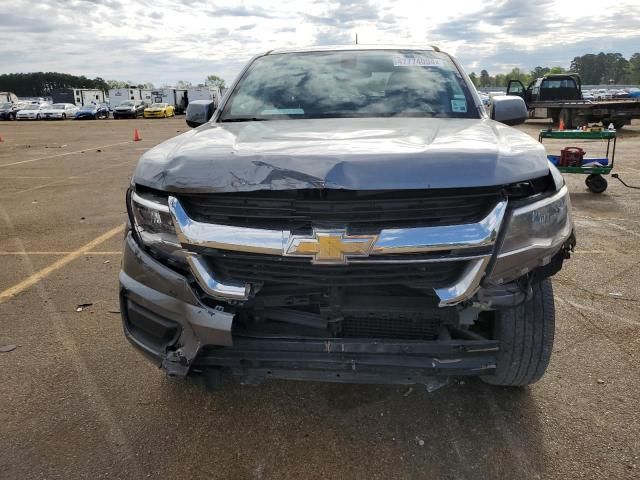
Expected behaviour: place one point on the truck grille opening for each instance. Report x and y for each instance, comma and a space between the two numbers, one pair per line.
358, 211
272, 269
393, 326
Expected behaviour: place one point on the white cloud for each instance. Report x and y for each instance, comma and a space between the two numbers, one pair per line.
163, 41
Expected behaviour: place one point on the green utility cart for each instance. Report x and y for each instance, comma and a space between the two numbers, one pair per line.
593, 167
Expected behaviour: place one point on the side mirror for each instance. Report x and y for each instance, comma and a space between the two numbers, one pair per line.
509, 110
199, 112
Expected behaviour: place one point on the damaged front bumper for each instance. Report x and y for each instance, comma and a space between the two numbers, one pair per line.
164, 317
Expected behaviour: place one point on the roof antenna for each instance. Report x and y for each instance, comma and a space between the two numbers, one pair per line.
356, 38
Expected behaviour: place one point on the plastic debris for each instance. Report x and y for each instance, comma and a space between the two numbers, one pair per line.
82, 306
7, 348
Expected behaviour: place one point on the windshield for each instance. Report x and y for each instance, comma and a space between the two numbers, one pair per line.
32, 107
88, 108
5, 105
373, 83
127, 104
158, 105
57, 106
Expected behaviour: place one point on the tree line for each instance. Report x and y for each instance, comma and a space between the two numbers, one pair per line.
594, 69
42, 84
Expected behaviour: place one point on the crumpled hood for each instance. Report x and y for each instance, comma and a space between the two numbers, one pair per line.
357, 154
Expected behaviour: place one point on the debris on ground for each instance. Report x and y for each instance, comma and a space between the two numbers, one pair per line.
420, 441
408, 392
615, 294
600, 381
82, 306
7, 348
106, 261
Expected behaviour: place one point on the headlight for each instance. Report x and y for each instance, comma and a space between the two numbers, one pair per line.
153, 224
534, 234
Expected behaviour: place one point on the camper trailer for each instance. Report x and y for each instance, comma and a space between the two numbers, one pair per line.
204, 93
119, 95
8, 97
78, 96
178, 98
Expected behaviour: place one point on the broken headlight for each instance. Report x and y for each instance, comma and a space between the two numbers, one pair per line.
154, 227
534, 234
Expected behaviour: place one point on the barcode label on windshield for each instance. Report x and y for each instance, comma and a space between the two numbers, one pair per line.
414, 61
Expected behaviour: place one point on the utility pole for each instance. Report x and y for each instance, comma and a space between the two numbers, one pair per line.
356, 38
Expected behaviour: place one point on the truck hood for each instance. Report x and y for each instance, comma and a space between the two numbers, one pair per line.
356, 154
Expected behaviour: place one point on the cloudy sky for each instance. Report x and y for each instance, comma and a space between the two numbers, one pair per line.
163, 41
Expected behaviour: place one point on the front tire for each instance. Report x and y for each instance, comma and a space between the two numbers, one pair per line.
526, 335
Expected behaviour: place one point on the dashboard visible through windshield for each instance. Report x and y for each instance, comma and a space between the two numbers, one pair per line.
338, 84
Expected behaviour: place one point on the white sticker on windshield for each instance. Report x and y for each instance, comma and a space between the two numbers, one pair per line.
416, 61
459, 106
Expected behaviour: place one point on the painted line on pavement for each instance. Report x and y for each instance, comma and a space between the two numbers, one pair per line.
11, 292
56, 253
64, 154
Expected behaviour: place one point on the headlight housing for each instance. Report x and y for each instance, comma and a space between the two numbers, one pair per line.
152, 222
534, 233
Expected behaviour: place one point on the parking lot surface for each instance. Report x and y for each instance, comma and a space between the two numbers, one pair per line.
76, 401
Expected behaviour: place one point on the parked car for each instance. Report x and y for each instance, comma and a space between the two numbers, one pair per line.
129, 109
31, 112
350, 236
159, 110
587, 95
92, 112
633, 92
59, 111
8, 110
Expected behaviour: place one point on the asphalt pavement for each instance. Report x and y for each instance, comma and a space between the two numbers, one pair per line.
76, 401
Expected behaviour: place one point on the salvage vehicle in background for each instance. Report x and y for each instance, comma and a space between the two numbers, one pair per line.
92, 112
8, 110
31, 112
58, 111
129, 109
388, 231
559, 97
159, 110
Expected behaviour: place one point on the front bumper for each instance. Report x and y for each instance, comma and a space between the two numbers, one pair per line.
125, 114
164, 318
154, 114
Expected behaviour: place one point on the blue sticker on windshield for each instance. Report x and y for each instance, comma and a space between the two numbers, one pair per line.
459, 106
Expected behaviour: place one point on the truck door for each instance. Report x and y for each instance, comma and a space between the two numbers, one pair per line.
515, 87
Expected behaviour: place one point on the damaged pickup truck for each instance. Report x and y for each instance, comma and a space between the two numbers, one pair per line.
348, 214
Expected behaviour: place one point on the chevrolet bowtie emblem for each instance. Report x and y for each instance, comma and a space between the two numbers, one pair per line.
330, 246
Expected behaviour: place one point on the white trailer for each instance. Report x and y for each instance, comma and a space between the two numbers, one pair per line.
172, 96
8, 97
146, 96
78, 96
119, 95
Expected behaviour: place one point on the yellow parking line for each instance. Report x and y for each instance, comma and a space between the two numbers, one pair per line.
58, 264
63, 154
57, 253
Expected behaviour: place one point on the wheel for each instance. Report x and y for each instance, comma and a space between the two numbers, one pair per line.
165, 115
38, 116
64, 116
596, 183
12, 116
526, 336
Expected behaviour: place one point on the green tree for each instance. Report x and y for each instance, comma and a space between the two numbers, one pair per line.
633, 72
474, 79
538, 72
117, 84
215, 81
183, 84
484, 78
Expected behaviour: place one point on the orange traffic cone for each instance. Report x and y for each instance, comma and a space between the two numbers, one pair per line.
561, 125
136, 136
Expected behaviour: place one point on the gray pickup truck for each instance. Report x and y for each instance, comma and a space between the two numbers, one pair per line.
348, 214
